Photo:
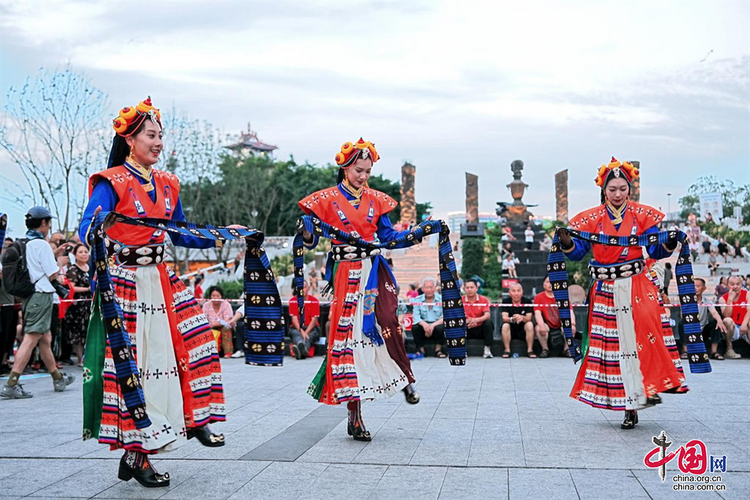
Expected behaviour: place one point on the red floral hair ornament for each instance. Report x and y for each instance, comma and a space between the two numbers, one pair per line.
131, 118
351, 152
616, 169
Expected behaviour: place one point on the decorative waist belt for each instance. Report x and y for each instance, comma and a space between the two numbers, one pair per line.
264, 324
610, 272
135, 256
453, 310
558, 276
352, 253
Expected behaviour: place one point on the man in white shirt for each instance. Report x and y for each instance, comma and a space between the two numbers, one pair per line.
529, 237
37, 308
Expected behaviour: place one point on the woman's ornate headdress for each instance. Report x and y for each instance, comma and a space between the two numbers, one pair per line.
616, 169
131, 118
352, 152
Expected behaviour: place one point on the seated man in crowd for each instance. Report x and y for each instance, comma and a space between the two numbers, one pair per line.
307, 335
478, 322
736, 317
517, 322
428, 318
547, 319
712, 325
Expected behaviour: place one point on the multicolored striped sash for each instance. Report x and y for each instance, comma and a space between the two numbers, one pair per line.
263, 307
556, 268
453, 310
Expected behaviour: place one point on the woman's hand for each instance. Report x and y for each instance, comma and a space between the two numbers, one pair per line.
565, 239
109, 220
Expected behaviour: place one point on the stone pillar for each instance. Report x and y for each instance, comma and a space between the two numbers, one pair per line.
561, 194
472, 198
408, 200
635, 190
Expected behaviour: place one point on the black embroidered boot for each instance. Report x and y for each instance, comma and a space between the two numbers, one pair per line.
355, 425
205, 436
654, 400
135, 464
411, 395
631, 418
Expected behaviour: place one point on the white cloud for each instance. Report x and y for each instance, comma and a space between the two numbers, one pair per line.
449, 85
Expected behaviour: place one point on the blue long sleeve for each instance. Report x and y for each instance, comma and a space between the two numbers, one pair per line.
182, 240
582, 247
656, 251
103, 196
385, 230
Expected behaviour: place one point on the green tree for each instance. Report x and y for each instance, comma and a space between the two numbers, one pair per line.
263, 193
472, 264
493, 269
193, 151
732, 196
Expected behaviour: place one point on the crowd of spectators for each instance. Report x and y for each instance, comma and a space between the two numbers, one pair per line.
34, 322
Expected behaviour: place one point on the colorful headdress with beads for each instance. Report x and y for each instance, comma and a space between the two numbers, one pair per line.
616, 169
352, 152
130, 119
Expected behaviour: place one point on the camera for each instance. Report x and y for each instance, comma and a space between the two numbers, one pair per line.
61, 290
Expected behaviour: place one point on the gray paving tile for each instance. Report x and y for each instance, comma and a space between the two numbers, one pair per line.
341, 481
39, 474
281, 480
471, 482
518, 422
618, 484
295, 440
339, 447
217, 480
651, 482
552, 484
737, 485
446, 442
100, 476
414, 483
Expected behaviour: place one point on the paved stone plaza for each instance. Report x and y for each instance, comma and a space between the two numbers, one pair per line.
498, 428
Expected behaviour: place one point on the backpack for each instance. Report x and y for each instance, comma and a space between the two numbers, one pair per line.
16, 279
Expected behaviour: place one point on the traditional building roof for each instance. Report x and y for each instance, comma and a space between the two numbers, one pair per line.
249, 143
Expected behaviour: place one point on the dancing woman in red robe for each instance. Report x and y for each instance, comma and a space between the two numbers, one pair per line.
366, 356
631, 356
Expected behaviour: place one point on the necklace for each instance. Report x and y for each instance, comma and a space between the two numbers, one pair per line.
617, 212
145, 172
357, 193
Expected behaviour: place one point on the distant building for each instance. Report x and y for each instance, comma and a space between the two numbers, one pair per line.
249, 145
455, 219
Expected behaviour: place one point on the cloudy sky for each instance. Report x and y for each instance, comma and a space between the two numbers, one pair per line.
449, 86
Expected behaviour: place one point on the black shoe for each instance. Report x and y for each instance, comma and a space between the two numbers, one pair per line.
302, 350
68, 362
631, 418
206, 437
411, 395
147, 477
358, 432
654, 400
296, 352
